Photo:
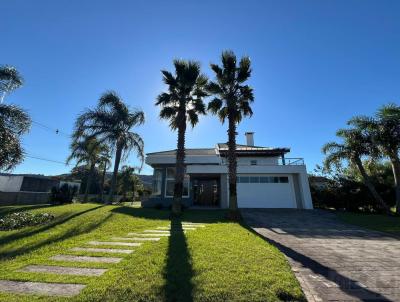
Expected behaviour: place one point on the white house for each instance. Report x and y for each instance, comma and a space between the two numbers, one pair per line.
265, 178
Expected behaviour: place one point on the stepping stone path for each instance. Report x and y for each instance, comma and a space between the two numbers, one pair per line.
86, 259
69, 290
99, 250
64, 270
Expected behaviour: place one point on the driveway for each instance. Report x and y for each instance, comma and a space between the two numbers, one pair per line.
332, 260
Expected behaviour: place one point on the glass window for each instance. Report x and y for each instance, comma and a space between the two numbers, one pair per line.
283, 179
244, 179
253, 162
170, 183
254, 179
157, 182
238, 179
264, 179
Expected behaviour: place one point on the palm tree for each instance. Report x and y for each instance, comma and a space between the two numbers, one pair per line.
181, 104
87, 150
10, 79
384, 130
111, 122
104, 164
232, 101
14, 122
127, 181
355, 145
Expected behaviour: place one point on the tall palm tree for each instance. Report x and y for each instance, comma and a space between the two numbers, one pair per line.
127, 181
384, 130
10, 79
355, 145
232, 101
87, 150
181, 104
111, 122
104, 165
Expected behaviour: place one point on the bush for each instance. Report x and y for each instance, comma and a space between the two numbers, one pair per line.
63, 195
22, 219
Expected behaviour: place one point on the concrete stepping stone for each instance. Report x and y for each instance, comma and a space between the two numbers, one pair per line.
41, 288
136, 238
99, 250
175, 228
156, 231
193, 225
64, 270
114, 243
149, 234
86, 259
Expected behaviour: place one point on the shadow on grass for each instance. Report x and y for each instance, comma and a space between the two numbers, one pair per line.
4, 210
204, 216
71, 232
178, 272
23, 234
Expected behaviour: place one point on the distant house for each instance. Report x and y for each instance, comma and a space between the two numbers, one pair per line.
266, 178
28, 188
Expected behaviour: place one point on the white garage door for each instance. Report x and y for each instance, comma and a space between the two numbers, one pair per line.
265, 191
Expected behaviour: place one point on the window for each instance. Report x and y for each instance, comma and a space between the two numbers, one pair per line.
157, 182
253, 162
254, 179
244, 179
283, 179
170, 183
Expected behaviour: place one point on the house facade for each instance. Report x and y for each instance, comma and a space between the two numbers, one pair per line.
266, 178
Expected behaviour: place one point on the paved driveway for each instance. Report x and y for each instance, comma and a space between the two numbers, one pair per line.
333, 261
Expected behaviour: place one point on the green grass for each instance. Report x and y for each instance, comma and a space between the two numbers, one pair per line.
222, 262
384, 223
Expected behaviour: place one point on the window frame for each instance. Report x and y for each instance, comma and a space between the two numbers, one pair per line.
186, 178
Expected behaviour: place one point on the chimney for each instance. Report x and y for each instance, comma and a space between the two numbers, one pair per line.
249, 139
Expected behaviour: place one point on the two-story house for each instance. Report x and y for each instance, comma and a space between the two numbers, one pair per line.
266, 178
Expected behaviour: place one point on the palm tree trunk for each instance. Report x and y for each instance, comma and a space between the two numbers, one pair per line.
396, 173
180, 166
89, 182
115, 172
103, 177
232, 169
370, 186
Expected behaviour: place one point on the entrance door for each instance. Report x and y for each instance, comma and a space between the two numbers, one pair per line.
206, 192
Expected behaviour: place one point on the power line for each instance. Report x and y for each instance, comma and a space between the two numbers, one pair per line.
48, 128
45, 159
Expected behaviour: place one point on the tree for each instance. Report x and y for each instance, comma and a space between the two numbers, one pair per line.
104, 164
127, 181
10, 79
111, 122
87, 150
232, 101
181, 104
384, 130
355, 145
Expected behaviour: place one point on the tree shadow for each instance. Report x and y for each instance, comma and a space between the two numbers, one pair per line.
58, 221
178, 271
4, 210
71, 232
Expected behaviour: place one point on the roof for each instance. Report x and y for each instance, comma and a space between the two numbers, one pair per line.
223, 148
196, 151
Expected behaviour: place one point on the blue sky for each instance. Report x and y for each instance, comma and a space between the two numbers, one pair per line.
315, 65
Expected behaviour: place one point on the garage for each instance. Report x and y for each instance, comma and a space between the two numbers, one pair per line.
265, 191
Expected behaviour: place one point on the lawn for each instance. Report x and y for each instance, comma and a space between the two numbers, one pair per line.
384, 223
222, 262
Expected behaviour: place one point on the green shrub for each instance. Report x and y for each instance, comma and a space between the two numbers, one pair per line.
22, 219
63, 195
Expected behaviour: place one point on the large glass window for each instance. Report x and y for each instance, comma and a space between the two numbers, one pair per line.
170, 183
157, 182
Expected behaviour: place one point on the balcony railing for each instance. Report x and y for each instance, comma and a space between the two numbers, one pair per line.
287, 161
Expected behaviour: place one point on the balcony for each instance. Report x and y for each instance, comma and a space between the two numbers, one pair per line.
287, 161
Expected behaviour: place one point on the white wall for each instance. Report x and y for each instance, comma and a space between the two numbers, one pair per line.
10, 183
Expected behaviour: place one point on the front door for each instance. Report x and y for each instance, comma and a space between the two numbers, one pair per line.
206, 192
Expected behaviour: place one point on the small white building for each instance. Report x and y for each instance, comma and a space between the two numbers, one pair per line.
266, 178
